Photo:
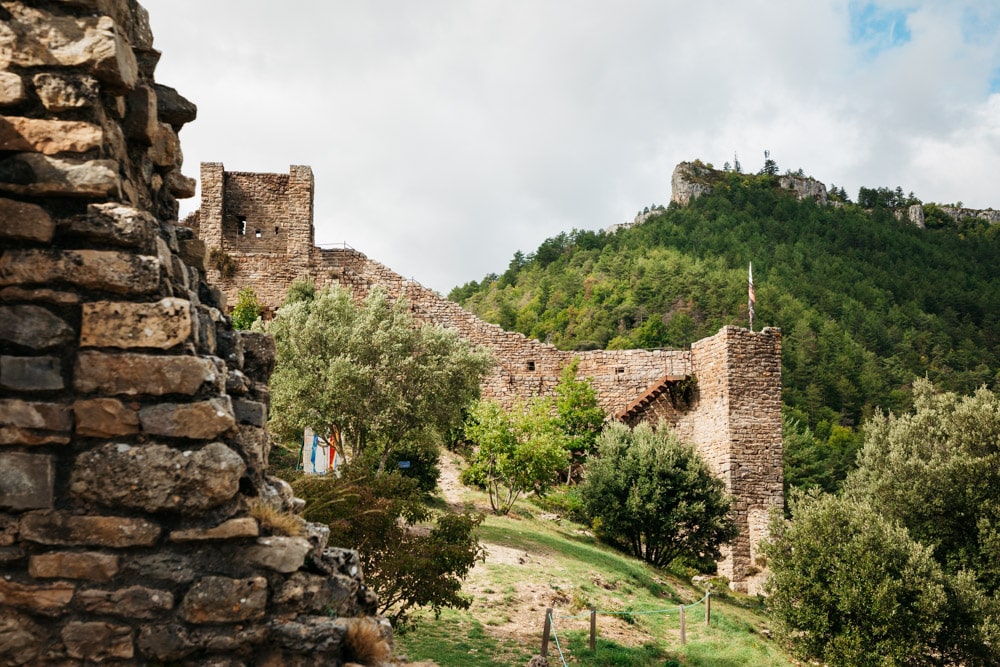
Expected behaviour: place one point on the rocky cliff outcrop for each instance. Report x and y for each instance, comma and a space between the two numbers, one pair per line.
804, 186
133, 443
689, 181
957, 214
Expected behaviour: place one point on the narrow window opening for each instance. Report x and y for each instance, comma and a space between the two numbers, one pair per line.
241, 225
531, 365
257, 233
275, 231
620, 370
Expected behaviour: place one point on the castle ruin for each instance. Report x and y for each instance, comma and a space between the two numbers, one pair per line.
723, 394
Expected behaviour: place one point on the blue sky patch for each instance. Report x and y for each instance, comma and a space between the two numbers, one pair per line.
876, 28
995, 81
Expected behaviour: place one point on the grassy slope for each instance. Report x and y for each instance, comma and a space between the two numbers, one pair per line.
536, 561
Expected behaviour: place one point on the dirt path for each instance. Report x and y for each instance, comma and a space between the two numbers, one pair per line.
448, 482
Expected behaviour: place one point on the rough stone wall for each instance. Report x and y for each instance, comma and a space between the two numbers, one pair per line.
133, 447
734, 418
525, 367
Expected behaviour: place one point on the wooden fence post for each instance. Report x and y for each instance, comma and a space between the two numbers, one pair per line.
708, 607
545, 632
593, 629
683, 633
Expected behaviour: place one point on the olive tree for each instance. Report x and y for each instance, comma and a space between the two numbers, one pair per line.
369, 372
651, 495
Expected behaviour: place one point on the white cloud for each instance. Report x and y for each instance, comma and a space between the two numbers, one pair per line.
445, 135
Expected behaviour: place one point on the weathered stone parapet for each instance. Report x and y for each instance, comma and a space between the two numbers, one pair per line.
133, 417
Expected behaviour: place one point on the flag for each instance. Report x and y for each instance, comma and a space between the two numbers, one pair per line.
752, 297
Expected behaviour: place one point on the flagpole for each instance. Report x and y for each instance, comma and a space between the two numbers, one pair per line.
751, 296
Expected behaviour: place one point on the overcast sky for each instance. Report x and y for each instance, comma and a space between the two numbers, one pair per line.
447, 134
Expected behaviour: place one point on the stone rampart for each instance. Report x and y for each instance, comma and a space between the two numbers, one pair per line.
134, 499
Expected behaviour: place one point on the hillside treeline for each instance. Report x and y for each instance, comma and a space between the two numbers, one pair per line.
867, 303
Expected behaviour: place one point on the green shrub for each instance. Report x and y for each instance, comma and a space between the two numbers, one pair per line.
377, 514
247, 309
651, 495
849, 587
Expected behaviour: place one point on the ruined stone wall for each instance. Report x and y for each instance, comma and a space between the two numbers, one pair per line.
525, 367
733, 416
133, 447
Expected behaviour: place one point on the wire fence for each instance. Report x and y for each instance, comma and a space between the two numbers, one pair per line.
549, 628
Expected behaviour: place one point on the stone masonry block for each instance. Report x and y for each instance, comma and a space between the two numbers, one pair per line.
51, 137
34, 327
166, 148
135, 374
193, 253
37, 175
11, 88
26, 481
202, 420
60, 92
54, 297
157, 478
227, 530
250, 412
97, 641
131, 602
105, 418
180, 186
31, 373
48, 600
224, 600
36, 415
23, 221
140, 116
93, 566
36, 38
114, 223
61, 528
161, 324
172, 107
34, 423
113, 271
24, 640
281, 554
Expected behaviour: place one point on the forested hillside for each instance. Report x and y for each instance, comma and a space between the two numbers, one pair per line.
867, 303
